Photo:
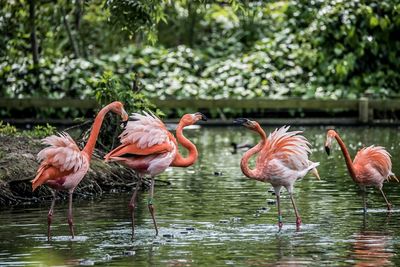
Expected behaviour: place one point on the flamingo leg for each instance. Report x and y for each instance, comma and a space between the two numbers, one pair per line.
132, 204
277, 190
50, 214
70, 220
278, 205
298, 219
150, 204
364, 193
389, 206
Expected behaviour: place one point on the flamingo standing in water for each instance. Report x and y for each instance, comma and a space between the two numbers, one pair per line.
149, 148
63, 165
282, 159
371, 166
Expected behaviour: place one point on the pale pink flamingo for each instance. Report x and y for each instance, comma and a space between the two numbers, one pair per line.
282, 158
149, 148
63, 165
371, 166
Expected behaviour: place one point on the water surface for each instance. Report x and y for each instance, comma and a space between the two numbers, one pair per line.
212, 215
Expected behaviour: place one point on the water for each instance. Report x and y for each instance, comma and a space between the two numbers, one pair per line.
225, 219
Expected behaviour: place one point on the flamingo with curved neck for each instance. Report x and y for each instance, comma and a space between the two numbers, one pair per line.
244, 163
149, 148
192, 156
63, 165
371, 166
282, 158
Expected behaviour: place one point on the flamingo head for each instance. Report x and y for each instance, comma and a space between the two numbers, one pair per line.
330, 135
252, 125
190, 119
118, 108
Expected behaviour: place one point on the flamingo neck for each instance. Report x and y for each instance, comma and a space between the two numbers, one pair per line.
179, 160
244, 163
347, 158
89, 147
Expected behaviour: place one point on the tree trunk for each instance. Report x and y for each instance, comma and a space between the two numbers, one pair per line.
192, 17
34, 42
69, 33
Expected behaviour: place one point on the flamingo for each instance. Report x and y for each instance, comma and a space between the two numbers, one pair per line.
63, 164
371, 166
149, 148
282, 159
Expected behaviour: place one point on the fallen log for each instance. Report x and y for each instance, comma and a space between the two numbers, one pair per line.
18, 167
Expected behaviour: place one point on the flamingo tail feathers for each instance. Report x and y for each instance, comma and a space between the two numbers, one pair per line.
392, 176
312, 168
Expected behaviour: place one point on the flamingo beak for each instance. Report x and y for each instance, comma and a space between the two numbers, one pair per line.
201, 116
240, 121
328, 150
124, 115
328, 144
315, 173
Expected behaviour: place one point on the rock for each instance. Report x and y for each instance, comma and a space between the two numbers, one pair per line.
107, 257
129, 253
168, 235
86, 262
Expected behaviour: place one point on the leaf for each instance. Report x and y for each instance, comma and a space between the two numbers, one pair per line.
373, 21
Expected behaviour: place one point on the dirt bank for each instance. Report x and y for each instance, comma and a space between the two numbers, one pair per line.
18, 166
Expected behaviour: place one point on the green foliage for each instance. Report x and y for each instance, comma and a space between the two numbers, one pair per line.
137, 15
206, 49
40, 131
109, 88
7, 129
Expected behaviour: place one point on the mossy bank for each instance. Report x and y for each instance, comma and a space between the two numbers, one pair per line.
18, 166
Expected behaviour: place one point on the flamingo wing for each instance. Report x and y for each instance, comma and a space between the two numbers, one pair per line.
146, 145
376, 157
145, 130
61, 158
291, 148
145, 135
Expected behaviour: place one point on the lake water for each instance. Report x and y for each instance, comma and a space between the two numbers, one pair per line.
225, 219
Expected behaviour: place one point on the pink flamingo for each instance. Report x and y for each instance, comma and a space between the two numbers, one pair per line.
149, 148
63, 165
371, 166
282, 159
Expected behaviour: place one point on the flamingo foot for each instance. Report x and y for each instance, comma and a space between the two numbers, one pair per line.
151, 209
389, 207
71, 227
280, 224
49, 220
298, 222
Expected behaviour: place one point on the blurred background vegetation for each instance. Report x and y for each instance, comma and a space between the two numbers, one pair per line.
324, 49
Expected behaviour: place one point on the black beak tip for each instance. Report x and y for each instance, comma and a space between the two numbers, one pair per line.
328, 150
203, 117
239, 121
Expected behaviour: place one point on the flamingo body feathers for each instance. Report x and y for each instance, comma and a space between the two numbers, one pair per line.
284, 158
145, 130
372, 165
62, 162
146, 145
